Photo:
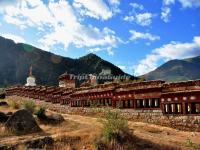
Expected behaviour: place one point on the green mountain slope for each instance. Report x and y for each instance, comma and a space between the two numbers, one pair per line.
177, 70
15, 60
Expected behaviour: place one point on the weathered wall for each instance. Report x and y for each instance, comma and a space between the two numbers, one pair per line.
190, 122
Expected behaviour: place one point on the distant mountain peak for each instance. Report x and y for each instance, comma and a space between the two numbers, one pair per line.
91, 56
15, 60
176, 70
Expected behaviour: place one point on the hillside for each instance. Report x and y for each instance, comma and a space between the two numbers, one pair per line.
177, 70
15, 60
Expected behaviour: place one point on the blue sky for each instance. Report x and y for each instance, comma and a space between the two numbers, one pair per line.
135, 35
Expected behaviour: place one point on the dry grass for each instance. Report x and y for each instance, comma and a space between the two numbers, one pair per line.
88, 128
4, 132
15, 103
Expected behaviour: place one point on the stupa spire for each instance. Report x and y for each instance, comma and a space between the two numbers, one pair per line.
31, 79
31, 71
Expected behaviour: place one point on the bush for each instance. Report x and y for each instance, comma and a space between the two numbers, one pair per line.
40, 113
2, 94
192, 145
29, 105
14, 104
113, 124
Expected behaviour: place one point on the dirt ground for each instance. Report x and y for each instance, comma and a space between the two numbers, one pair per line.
88, 128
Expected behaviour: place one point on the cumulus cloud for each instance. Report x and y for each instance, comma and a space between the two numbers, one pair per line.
140, 35
114, 6
96, 8
129, 18
59, 23
190, 3
173, 50
143, 19
166, 7
4, 3
165, 14
98, 49
15, 38
138, 15
137, 6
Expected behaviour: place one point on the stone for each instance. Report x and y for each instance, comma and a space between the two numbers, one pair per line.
39, 143
3, 103
3, 117
9, 114
2, 95
55, 118
22, 122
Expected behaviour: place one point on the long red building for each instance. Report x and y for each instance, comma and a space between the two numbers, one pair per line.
181, 98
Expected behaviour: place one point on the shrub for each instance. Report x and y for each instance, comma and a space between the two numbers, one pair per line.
29, 105
2, 94
113, 124
192, 145
14, 104
40, 113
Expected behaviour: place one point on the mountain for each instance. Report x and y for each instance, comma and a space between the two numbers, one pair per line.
16, 59
177, 70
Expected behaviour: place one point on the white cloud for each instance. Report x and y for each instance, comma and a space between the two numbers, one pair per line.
4, 3
114, 2
98, 49
140, 35
122, 67
15, 38
165, 14
59, 24
138, 15
129, 18
166, 8
190, 3
173, 50
184, 3
168, 2
114, 6
137, 6
94, 8
143, 19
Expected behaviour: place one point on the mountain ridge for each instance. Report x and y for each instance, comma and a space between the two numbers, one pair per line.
176, 70
16, 59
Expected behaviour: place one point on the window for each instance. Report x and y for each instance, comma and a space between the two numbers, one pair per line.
138, 103
166, 108
179, 109
150, 102
173, 108
131, 104
192, 108
127, 104
156, 102
144, 103
197, 106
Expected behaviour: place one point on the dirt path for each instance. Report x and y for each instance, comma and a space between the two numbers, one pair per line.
89, 127
154, 133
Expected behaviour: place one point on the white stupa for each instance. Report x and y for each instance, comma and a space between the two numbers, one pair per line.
30, 81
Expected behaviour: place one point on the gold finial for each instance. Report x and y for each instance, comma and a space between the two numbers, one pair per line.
31, 71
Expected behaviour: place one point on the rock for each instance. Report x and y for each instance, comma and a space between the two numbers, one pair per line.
3, 103
3, 117
2, 95
55, 118
22, 122
9, 113
39, 143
